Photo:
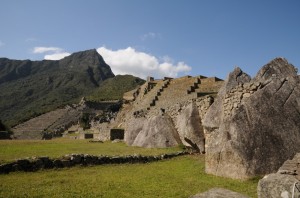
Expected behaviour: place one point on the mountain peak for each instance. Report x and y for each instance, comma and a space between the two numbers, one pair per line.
90, 52
91, 55
47, 83
90, 62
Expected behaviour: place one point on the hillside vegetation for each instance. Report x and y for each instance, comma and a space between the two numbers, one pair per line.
114, 88
30, 88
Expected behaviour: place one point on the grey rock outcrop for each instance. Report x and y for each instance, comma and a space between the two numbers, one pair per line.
134, 127
284, 183
253, 127
158, 132
219, 193
189, 127
276, 186
279, 67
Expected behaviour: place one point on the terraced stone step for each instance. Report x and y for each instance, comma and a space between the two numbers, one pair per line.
34, 128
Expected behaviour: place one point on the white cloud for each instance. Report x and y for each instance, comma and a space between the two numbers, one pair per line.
42, 50
56, 56
130, 61
1, 44
150, 35
56, 53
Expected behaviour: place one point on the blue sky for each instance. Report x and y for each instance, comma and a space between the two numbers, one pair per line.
155, 37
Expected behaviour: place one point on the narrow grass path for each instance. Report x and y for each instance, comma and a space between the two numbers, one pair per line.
179, 177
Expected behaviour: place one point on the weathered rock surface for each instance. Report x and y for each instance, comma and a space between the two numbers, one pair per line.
158, 132
279, 67
291, 167
219, 193
253, 127
276, 185
284, 183
134, 127
190, 129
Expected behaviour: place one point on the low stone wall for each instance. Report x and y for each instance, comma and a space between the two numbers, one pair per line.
40, 163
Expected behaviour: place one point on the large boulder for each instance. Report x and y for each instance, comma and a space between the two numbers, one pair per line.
189, 127
219, 193
134, 127
213, 117
157, 132
284, 183
276, 186
255, 126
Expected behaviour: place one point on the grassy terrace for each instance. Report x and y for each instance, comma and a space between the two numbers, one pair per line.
178, 177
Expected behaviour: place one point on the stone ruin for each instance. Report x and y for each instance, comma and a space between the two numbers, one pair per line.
159, 114
116, 134
246, 127
253, 125
64, 120
48, 125
41, 163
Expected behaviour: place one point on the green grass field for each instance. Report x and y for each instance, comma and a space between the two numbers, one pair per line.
15, 149
179, 177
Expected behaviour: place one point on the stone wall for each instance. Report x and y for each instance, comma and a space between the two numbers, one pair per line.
236, 95
203, 104
40, 163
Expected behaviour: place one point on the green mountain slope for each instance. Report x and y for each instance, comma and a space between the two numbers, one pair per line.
30, 88
114, 88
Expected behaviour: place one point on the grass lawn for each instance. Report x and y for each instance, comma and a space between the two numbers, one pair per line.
15, 149
179, 177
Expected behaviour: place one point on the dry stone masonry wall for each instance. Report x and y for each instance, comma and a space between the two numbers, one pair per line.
235, 96
40, 163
